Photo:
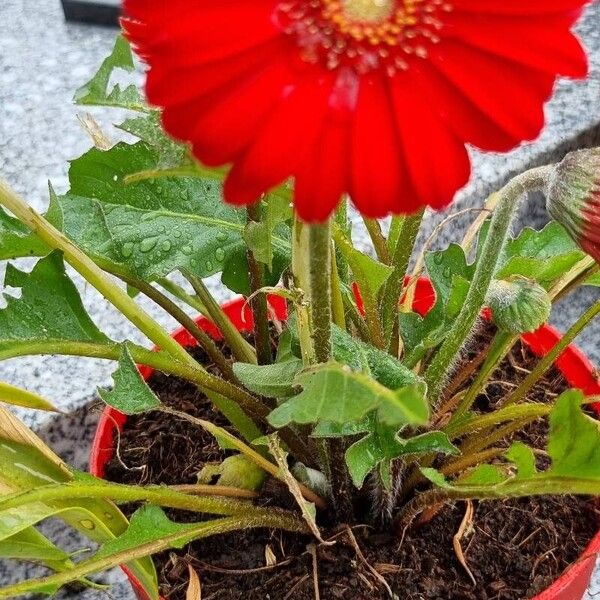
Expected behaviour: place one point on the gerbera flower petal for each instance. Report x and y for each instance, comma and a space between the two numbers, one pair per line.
282, 144
378, 180
256, 83
439, 167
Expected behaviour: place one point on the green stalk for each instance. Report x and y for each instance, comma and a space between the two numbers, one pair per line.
312, 273
392, 290
341, 220
241, 349
179, 293
200, 530
337, 301
500, 347
536, 486
260, 309
547, 361
529, 411
159, 495
510, 196
378, 240
394, 233
203, 339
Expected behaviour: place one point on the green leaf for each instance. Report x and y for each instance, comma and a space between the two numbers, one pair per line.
484, 475
450, 275
152, 227
27, 463
523, 458
49, 308
574, 439
31, 545
543, 256
130, 394
17, 240
147, 524
273, 381
148, 129
96, 91
362, 357
334, 393
20, 397
369, 274
384, 444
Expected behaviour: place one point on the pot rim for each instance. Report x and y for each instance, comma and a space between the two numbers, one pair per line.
573, 364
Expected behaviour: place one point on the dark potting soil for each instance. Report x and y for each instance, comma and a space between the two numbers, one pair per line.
514, 549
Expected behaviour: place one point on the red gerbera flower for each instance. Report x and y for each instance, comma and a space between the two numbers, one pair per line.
376, 98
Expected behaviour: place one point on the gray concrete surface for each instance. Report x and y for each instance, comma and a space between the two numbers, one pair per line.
43, 60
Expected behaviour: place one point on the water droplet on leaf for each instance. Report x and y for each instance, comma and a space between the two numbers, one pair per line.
166, 245
220, 254
148, 244
127, 249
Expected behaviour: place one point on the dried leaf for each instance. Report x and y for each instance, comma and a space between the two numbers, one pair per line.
194, 591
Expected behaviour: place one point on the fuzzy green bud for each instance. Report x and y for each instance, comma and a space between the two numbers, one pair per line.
518, 305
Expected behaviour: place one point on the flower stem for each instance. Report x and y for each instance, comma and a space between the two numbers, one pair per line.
510, 196
241, 349
377, 238
392, 290
547, 361
260, 310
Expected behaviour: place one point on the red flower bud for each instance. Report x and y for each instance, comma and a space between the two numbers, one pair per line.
573, 198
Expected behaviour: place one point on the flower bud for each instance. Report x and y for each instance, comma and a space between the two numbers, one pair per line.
573, 198
518, 305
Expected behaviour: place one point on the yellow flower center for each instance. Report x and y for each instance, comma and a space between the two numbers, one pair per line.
365, 35
368, 11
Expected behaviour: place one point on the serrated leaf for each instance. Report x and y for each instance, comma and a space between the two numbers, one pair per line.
483, 475
148, 129
152, 227
574, 439
16, 239
130, 394
543, 256
334, 393
96, 92
273, 381
49, 308
384, 444
523, 458
361, 357
450, 275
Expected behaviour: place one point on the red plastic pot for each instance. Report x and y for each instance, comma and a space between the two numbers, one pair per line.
573, 364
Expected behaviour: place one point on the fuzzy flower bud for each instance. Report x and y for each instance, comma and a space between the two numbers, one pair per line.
573, 198
518, 304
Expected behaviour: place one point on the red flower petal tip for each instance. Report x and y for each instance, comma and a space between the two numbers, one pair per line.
374, 98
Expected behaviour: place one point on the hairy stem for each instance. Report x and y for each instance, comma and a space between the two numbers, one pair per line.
510, 196
260, 309
378, 240
241, 349
392, 290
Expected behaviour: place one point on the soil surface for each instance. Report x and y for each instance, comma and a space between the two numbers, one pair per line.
514, 549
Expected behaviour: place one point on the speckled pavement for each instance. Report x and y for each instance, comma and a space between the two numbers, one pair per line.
43, 60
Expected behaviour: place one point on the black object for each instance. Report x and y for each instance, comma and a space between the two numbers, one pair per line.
98, 12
